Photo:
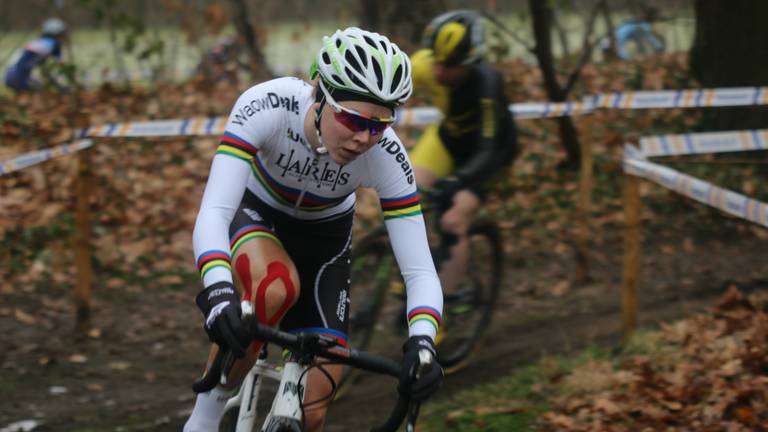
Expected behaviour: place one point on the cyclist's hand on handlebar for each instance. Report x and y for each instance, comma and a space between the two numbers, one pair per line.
421, 374
445, 188
220, 305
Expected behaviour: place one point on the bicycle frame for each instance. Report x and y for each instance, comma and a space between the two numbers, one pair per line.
285, 403
286, 412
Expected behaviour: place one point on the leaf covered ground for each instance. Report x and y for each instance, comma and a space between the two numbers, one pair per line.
134, 366
705, 373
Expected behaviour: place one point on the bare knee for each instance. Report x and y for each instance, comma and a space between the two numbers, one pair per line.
273, 287
276, 285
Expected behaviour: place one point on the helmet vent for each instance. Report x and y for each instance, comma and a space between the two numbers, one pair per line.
353, 63
396, 79
326, 58
370, 42
379, 75
353, 78
361, 54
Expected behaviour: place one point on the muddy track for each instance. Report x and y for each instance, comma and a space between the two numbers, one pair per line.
135, 374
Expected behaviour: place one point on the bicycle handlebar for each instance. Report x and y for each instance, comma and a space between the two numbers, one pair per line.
316, 345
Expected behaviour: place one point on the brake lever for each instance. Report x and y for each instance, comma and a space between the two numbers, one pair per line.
229, 358
425, 366
413, 414
226, 366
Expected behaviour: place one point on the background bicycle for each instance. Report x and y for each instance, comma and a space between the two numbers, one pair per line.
377, 318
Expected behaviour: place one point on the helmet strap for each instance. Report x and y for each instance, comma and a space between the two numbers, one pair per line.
321, 149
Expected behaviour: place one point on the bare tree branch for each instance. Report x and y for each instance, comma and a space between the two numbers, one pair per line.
509, 32
245, 29
586, 49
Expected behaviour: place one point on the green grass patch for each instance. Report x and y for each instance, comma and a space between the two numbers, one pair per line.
515, 402
511, 403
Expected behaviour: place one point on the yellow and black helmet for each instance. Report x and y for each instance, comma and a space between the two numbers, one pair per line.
456, 37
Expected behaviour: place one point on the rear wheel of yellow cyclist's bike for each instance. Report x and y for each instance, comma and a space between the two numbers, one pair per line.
467, 311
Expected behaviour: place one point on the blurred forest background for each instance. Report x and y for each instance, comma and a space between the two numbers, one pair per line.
554, 361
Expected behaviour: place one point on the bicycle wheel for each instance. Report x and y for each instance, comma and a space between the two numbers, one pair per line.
467, 311
375, 277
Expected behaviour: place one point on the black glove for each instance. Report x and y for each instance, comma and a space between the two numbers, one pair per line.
419, 381
445, 188
220, 305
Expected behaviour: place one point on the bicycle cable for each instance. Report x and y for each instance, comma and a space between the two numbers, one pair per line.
330, 396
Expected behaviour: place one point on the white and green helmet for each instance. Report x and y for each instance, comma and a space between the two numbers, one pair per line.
364, 62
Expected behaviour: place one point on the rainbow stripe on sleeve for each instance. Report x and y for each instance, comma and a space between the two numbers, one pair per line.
211, 259
233, 145
425, 313
400, 207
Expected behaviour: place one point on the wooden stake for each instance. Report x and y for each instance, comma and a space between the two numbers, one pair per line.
584, 205
82, 240
631, 273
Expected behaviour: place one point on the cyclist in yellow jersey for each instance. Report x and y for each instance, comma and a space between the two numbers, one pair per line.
476, 137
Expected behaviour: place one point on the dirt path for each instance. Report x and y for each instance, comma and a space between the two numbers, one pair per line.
133, 373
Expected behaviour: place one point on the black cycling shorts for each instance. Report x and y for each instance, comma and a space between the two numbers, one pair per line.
321, 253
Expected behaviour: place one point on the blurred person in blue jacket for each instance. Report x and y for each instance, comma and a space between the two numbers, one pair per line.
19, 74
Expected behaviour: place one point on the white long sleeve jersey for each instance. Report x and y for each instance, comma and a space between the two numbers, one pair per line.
264, 149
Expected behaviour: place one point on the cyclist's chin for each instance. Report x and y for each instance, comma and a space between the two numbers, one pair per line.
342, 156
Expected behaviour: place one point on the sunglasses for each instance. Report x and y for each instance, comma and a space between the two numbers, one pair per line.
356, 121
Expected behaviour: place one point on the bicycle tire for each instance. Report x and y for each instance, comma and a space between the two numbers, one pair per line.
460, 337
373, 270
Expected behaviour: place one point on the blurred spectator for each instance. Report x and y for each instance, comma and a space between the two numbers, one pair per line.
222, 61
35, 53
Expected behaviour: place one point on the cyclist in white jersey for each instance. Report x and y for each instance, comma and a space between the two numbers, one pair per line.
278, 210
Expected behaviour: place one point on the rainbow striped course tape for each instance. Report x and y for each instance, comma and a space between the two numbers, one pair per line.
636, 163
36, 157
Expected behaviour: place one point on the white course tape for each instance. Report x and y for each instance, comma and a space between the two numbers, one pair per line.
36, 157
728, 201
177, 127
419, 116
533, 110
709, 142
736, 96
422, 116
425, 116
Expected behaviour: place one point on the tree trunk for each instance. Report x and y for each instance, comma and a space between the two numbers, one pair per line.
370, 15
402, 21
730, 49
259, 67
542, 15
